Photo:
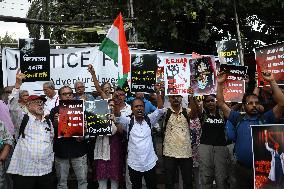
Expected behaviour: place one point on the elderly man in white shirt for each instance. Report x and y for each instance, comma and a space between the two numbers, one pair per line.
141, 155
31, 163
52, 99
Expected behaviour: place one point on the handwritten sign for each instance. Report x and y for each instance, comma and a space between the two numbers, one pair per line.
270, 58
203, 76
143, 72
235, 85
71, 118
97, 121
177, 76
35, 59
227, 52
262, 156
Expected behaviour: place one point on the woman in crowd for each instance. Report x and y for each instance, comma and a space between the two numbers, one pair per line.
108, 151
213, 152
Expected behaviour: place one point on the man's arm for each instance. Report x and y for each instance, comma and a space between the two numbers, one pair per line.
14, 96
220, 96
96, 82
278, 96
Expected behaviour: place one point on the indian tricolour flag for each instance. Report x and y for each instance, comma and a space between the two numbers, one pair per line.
115, 46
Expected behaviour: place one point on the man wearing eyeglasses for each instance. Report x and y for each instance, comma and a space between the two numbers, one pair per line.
253, 116
31, 163
68, 150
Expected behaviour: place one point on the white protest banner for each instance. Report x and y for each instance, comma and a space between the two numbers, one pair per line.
177, 75
66, 67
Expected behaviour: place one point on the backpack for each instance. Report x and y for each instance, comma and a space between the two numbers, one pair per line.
131, 124
261, 121
24, 124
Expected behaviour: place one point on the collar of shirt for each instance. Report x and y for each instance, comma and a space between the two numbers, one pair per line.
179, 112
33, 118
246, 117
54, 97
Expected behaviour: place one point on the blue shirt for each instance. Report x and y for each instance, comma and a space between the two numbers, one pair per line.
230, 129
89, 97
149, 107
243, 146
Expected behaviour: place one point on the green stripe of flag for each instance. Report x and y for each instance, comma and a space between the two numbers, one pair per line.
122, 80
110, 49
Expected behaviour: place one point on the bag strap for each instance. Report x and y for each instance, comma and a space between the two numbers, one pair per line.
23, 125
185, 114
130, 126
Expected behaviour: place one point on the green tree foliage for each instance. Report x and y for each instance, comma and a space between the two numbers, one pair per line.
170, 25
7, 39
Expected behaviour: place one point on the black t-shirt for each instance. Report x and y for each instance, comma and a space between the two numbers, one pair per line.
213, 130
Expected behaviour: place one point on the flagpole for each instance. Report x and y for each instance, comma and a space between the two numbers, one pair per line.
240, 46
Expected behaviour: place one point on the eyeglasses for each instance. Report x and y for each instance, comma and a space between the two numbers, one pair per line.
80, 87
65, 94
174, 96
8, 92
119, 94
253, 103
37, 102
210, 100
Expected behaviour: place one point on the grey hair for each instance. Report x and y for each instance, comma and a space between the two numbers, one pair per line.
50, 84
21, 92
77, 82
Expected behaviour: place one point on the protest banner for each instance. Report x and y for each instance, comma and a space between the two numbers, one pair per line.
234, 88
177, 76
270, 58
66, 67
70, 65
71, 118
34, 59
228, 52
96, 114
268, 146
203, 76
143, 72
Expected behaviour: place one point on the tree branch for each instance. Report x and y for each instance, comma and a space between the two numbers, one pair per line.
43, 22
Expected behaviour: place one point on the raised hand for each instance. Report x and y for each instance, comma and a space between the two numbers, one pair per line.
267, 76
19, 78
221, 77
91, 69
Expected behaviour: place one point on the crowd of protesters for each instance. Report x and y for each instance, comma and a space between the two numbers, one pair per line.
208, 140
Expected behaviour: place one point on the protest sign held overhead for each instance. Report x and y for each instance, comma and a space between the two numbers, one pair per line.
203, 75
34, 59
177, 76
71, 118
227, 52
235, 85
270, 58
268, 146
143, 72
96, 113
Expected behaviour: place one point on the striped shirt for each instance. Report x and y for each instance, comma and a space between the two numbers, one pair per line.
33, 155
